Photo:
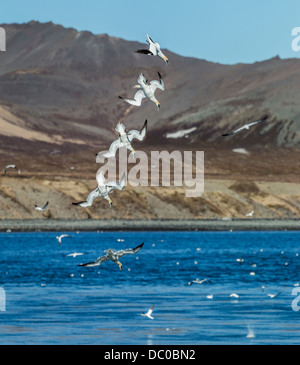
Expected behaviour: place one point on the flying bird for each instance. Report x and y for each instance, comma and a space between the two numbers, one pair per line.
197, 281
273, 295
233, 295
149, 313
113, 255
146, 91
59, 238
11, 167
41, 209
103, 189
154, 50
74, 254
246, 126
125, 139
250, 214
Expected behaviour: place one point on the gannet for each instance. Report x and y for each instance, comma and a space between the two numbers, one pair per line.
250, 214
113, 255
125, 139
103, 190
246, 126
59, 238
154, 50
197, 281
41, 209
273, 295
148, 314
146, 91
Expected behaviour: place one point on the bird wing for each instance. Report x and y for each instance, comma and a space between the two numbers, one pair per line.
150, 311
137, 100
89, 200
140, 135
44, 207
115, 185
258, 121
152, 47
97, 262
158, 84
113, 149
129, 251
100, 178
144, 51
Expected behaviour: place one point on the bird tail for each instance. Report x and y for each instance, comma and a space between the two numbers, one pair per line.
120, 127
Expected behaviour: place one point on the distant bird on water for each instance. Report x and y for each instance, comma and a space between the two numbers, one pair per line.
149, 313
41, 209
11, 167
146, 91
125, 139
154, 50
113, 255
246, 126
103, 189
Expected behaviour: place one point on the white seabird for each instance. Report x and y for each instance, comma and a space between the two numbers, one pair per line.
234, 295
125, 139
59, 238
11, 167
154, 50
74, 254
250, 214
273, 295
146, 91
103, 189
41, 209
197, 281
149, 313
246, 126
113, 255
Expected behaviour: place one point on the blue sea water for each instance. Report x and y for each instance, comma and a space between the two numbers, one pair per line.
49, 299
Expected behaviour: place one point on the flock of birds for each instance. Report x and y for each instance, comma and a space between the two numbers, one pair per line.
104, 187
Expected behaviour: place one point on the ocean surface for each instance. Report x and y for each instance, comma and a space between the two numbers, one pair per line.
46, 298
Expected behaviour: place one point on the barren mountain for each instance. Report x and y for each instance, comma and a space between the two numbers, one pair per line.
59, 104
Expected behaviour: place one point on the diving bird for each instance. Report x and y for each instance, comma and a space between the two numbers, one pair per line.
11, 167
103, 189
113, 255
125, 139
59, 238
146, 91
149, 313
246, 126
41, 209
154, 50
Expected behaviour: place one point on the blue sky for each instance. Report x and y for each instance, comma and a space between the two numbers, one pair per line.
225, 31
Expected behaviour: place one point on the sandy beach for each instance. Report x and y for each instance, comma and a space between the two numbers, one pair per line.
149, 225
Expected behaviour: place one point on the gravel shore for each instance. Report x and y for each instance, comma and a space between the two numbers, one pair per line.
150, 225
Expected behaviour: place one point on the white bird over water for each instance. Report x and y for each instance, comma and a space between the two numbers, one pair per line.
125, 139
149, 313
75, 254
197, 281
59, 238
103, 189
246, 126
273, 295
234, 295
11, 167
113, 255
154, 50
146, 91
41, 209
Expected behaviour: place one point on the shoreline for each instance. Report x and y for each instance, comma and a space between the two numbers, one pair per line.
31, 225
